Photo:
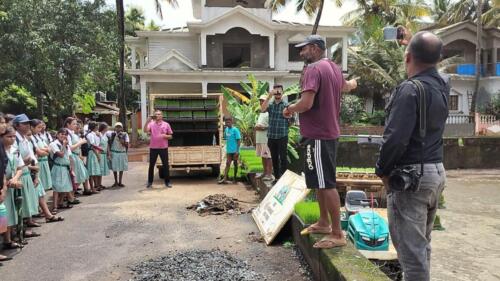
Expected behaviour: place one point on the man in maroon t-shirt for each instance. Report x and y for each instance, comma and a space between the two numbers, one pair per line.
319, 107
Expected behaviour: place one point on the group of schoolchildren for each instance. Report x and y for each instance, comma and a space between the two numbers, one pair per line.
71, 162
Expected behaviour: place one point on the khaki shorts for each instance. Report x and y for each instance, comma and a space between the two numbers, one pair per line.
262, 150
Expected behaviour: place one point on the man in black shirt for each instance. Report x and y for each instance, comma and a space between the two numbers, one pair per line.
411, 212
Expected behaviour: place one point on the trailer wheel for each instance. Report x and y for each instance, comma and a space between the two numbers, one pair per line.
215, 171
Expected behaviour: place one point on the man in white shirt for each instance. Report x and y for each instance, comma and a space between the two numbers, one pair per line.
261, 147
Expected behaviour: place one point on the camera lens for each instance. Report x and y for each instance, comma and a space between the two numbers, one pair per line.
399, 182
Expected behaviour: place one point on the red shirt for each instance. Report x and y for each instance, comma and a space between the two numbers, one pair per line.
157, 130
322, 120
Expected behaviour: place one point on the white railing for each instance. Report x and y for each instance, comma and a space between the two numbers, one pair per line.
459, 119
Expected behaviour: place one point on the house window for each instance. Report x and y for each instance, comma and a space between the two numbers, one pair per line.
293, 53
236, 55
453, 103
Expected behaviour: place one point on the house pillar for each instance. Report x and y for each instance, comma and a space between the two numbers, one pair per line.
133, 66
485, 62
344, 53
203, 49
204, 89
144, 109
271, 51
494, 59
141, 60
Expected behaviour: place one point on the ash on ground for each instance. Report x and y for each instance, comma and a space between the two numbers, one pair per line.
304, 269
217, 204
195, 265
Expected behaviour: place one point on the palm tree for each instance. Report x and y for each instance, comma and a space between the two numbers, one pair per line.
310, 7
468, 10
121, 37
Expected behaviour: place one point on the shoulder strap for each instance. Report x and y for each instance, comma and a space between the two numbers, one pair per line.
422, 116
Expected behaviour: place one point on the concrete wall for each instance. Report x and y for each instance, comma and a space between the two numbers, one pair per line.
467, 48
459, 130
188, 46
476, 153
175, 88
259, 47
281, 57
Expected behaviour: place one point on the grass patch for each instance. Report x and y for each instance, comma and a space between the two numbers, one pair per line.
249, 163
308, 212
348, 139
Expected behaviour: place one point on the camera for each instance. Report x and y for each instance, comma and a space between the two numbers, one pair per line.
405, 179
394, 33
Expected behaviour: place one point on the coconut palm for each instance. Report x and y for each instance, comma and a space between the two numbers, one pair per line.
467, 10
310, 7
172, 3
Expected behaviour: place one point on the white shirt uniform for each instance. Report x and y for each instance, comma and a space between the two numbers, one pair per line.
56, 146
93, 139
24, 143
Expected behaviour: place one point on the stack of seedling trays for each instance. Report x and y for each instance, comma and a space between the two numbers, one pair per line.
356, 173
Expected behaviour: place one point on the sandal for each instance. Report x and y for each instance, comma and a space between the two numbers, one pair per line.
12, 245
65, 207
5, 258
33, 224
121, 185
315, 229
87, 193
54, 219
329, 242
115, 185
32, 234
74, 202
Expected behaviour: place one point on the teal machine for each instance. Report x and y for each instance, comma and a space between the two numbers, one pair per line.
366, 228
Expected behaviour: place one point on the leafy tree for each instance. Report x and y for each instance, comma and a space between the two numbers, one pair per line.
16, 100
50, 48
134, 20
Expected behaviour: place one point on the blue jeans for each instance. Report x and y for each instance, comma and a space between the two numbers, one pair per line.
411, 218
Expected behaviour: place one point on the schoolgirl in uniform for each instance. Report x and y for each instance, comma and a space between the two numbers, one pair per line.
94, 156
44, 176
80, 171
103, 129
29, 191
119, 141
60, 174
13, 174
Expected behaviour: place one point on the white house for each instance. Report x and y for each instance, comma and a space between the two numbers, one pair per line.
227, 40
460, 40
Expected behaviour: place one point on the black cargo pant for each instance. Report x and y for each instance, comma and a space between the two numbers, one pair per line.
153, 156
278, 148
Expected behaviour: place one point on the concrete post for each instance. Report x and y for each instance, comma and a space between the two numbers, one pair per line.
144, 109
204, 89
203, 49
271, 51
141, 60
494, 59
344, 53
485, 63
133, 66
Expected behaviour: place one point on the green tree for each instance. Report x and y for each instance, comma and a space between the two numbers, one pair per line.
48, 49
16, 100
134, 20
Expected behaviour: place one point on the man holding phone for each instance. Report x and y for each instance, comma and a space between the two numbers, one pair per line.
160, 132
277, 132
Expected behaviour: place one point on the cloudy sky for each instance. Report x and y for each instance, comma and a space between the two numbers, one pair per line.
179, 16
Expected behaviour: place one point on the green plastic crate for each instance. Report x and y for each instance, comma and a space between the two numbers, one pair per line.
199, 115
185, 103
212, 114
197, 103
210, 103
185, 114
172, 114
173, 104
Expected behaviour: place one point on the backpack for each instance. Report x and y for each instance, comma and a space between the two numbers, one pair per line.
85, 148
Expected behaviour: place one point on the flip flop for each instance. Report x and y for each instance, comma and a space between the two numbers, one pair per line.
313, 229
32, 234
12, 245
328, 243
33, 224
54, 219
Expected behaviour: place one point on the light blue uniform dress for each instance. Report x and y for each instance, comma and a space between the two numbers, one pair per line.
93, 166
61, 179
14, 163
43, 163
119, 157
104, 156
81, 173
28, 192
40, 191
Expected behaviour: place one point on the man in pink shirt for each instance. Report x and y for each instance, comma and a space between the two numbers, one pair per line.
159, 132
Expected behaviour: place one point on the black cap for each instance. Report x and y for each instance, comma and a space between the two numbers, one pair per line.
313, 39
